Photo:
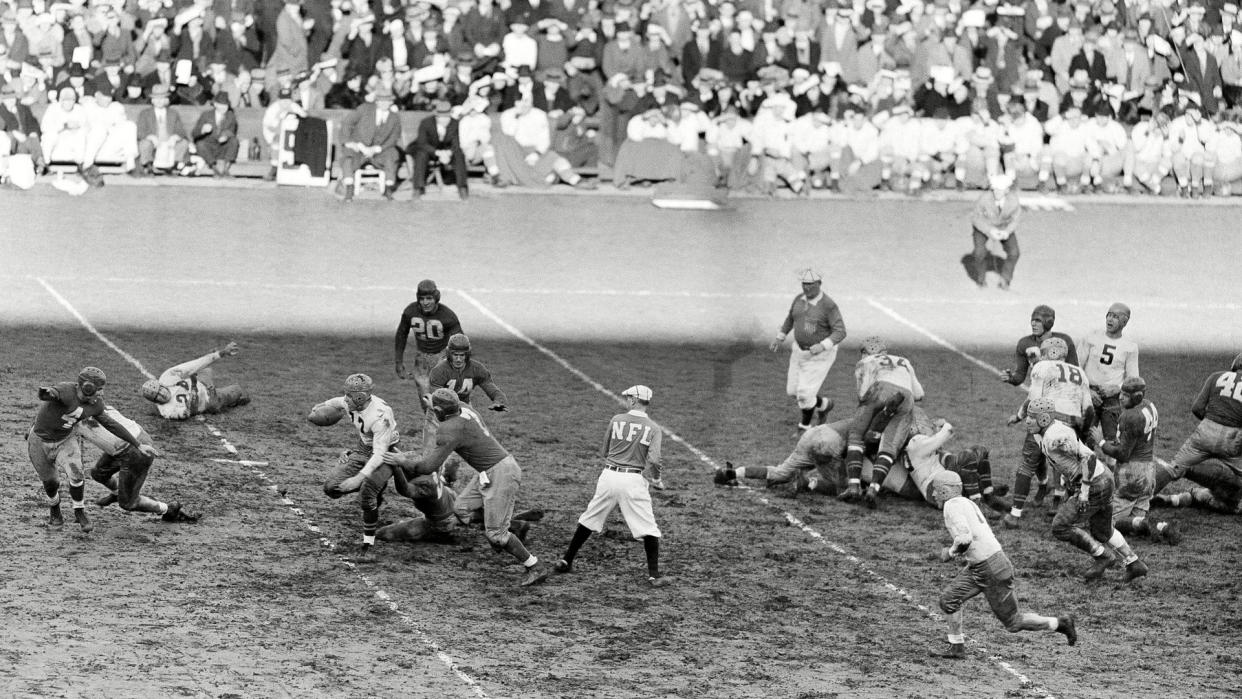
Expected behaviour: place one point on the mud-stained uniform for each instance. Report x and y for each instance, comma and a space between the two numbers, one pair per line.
52, 442
463, 381
1108, 362
1134, 450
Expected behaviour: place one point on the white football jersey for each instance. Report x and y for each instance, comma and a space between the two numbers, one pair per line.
888, 368
966, 523
1065, 384
375, 424
1107, 361
105, 441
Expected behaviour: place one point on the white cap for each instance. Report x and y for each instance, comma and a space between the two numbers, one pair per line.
809, 275
640, 392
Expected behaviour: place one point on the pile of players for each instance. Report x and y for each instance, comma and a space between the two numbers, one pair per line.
1090, 433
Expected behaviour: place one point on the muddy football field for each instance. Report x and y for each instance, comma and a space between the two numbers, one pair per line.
569, 300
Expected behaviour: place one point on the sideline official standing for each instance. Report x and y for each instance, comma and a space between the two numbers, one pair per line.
996, 217
631, 459
818, 329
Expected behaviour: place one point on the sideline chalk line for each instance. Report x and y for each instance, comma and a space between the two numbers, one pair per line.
789, 516
993, 300
280, 492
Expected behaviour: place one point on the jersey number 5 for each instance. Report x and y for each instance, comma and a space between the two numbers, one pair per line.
1230, 386
1106, 354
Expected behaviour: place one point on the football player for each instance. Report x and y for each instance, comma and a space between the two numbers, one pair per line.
886, 382
1086, 519
492, 491
820, 446
54, 446
1212, 455
433, 324
363, 470
1026, 354
1109, 359
1133, 449
123, 469
924, 457
188, 389
461, 373
988, 570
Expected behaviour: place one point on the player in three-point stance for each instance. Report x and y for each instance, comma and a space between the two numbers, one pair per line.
632, 459
123, 470
363, 469
492, 491
987, 570
54, 445
1085, 519
886, 383
433, 324
818, 329
188, 389
1212, 455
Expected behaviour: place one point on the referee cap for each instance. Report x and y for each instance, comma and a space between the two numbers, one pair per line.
810, 275
640, 392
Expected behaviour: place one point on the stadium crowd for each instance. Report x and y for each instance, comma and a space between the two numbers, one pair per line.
798, 94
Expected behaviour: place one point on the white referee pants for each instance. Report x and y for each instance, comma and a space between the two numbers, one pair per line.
628, 491
807, 373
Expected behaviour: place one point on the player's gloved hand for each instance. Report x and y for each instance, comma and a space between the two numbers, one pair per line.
230, 350
149, 450
946, 554
46, 393
498, 407
401, 370
1007, 376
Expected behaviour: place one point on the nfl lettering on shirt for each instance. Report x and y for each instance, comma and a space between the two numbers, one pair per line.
619, 432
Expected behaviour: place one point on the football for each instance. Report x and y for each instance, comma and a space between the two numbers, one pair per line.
326, 414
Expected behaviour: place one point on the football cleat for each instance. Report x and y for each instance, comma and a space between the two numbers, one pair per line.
176, 514
996, 503
1102, 563
1011, 522
662, 581
954, 651
1065, 625
726, 475
1172, 534
531, 515
536, 574
366, 554
83, 520
562, 566
55, 519
822, 408
106, 500
852, 493
1135, 570
871, 498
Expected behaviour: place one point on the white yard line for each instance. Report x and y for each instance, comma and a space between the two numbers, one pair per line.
292, 506
788, 516
972, 301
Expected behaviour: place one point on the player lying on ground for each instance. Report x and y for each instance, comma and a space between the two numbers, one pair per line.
1212, 455
491, 493
924, 458
362, 469
1085, 519
123, 470
54, 447
189, 389
987, 570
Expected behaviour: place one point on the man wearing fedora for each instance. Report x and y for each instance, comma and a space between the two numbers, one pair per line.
371, 134
215, 135
20, 127
162, 139
438, 141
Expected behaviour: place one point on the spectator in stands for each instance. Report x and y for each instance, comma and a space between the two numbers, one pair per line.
474, 131
438, 144
20, 127
1226, 145
291, 49
899, 145
111, 138
648, 153
273, 118
162, 140
64, 129
345, 95
772, 146
483, 28
552, 50
1193, 164
12, 37
371, 135
1089, 58
524, 150
855, 159
215, 136
1202, 72
1109, 153
624, 55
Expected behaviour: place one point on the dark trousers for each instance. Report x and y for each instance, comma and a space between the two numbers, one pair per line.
422, 164
213, 151
1010, 245
386, 160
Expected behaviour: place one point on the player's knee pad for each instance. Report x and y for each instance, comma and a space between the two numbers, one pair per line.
498, 538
